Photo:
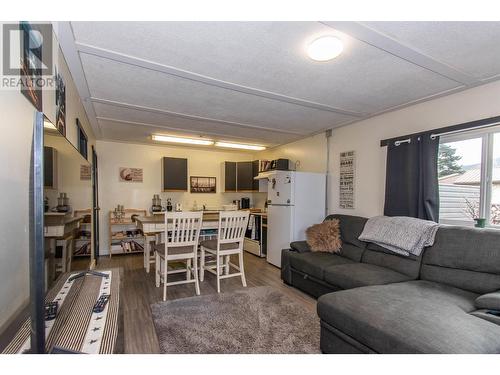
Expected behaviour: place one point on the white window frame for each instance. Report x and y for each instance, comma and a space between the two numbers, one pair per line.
487, 136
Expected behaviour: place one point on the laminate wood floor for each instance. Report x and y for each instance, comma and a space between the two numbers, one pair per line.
138, 292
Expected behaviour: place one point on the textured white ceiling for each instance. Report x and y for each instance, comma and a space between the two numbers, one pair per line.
271, 56
134, 85
187, 77
472, 47
165, 123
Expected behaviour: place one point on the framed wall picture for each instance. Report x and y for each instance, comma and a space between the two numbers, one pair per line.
131, 174
31, 64
60, 104
202, 184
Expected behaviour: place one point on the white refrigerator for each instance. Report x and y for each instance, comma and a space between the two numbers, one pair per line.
296, 200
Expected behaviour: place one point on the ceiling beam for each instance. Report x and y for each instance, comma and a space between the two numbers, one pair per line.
67, 44
383, 42
185, 74
189, 117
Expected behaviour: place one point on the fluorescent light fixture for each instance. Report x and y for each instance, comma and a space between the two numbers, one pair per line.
240, 145
204, 142
49, 125
191, 141
325, 48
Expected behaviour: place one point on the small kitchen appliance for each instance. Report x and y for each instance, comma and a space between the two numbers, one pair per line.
245, 203
156, 206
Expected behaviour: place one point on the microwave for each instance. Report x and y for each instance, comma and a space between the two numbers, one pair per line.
276, 165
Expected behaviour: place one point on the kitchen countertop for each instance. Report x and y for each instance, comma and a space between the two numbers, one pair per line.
211, 215
160, 219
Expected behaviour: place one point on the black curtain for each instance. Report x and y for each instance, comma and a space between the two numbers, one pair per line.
412, 178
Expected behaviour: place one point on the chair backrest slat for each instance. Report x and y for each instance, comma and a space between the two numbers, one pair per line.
182, 229
232, 226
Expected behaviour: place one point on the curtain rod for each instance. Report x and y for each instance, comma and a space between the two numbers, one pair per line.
460, 131
491, 121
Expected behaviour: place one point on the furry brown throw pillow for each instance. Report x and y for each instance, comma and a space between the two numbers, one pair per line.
325, 236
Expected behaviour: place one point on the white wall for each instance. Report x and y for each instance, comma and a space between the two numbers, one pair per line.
113, 155
364, 137
309, 153
15, 147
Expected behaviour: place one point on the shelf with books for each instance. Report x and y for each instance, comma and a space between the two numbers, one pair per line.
124, 236
83, 236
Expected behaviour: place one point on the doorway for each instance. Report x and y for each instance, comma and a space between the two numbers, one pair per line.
95, 210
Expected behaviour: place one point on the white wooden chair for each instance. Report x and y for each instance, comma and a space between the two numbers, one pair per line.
182, 232
231, 234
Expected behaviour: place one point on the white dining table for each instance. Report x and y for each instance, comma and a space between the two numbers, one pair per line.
153, 226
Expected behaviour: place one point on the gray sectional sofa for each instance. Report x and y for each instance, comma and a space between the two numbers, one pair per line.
375, 301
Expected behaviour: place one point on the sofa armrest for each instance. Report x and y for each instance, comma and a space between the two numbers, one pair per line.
490, 301
300, 246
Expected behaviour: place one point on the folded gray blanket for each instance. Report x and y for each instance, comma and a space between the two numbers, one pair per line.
400, 234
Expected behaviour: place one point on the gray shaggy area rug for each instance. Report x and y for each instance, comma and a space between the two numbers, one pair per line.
252, 320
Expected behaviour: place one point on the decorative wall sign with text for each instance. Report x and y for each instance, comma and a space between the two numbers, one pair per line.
130, 174
85, 172
346, 188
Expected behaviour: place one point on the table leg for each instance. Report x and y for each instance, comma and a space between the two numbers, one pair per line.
52, 261
147, 252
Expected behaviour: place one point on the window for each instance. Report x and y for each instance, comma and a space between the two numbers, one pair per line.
469, 177
82, 139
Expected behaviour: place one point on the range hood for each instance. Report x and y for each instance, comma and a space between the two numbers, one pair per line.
264, 175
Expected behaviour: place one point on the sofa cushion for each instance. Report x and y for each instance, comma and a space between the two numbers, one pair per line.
354, 275
347, 250
300, 246
314, 263
352, 252
408, 265
350, 228
411, 317
467, 258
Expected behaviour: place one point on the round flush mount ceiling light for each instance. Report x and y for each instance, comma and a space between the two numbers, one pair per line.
325, 48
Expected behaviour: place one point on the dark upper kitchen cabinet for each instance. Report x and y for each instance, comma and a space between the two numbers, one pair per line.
174, 174
255, 172
229, 174
244, 176
239, 176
